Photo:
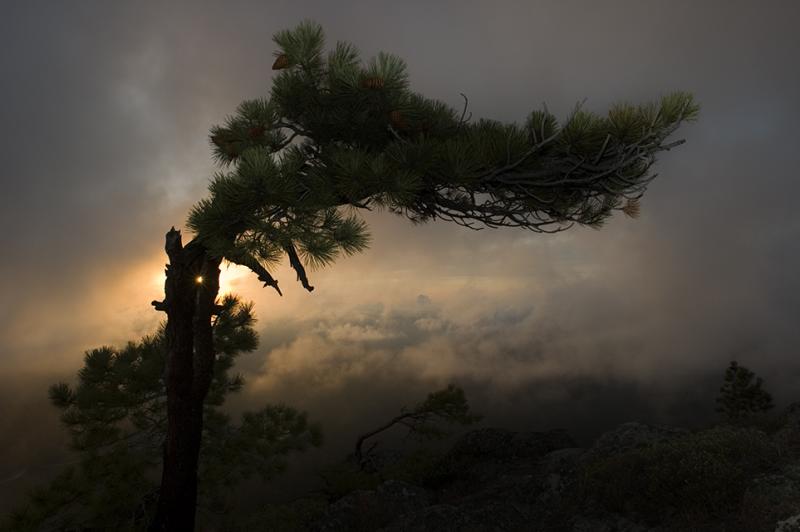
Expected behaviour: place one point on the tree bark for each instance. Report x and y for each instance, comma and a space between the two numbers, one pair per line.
190, 290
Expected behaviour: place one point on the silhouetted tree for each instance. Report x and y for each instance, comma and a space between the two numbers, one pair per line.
335, 136
739, 396
116, 417
425, 420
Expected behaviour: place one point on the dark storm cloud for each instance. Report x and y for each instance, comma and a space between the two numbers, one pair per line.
104, 146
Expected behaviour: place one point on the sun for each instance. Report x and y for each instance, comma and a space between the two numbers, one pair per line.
229, 278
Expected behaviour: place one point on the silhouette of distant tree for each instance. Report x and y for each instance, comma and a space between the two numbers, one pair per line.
740, 396
425, 420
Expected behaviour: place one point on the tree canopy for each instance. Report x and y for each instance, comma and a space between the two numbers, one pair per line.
337, 135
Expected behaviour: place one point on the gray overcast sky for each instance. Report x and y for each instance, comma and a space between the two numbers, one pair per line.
106, 108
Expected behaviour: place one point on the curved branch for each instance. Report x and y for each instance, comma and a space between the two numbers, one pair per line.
294, 261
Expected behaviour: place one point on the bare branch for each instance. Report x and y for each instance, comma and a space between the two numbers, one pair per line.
248, 261
295, 263
461, 121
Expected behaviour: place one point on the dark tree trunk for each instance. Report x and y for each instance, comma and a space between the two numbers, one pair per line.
190, 292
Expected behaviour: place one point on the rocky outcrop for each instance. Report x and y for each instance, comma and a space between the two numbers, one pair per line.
788, 436
499, 480
365, 510
630, 436
485, 456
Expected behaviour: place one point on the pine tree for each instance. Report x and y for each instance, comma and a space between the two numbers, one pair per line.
336, 136
425, 420
116, 417
740, 397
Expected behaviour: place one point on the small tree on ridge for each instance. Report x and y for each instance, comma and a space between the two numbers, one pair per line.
740, 397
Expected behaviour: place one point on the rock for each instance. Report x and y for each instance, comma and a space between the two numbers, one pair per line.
791, 524
555, 475
439, 517
490, 517
495, 479
606, 523
788, 436
486, 454
629, 436
772, 499
368, 510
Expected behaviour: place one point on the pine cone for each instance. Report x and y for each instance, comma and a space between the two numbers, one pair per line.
256, 132
632, 208
230, 149
282, 61
372, 83
218, 140
397, 120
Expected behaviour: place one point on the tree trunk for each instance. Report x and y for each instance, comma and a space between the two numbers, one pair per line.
190, 290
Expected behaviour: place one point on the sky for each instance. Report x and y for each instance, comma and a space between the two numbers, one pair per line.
104, 146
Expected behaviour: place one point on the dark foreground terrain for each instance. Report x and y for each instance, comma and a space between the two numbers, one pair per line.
637, 477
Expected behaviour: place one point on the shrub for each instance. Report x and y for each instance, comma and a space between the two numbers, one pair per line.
703, 475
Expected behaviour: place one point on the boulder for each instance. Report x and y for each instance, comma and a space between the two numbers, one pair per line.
790, 524
629, 436
483, 455
788, 436
488, 517
369, 510
772, 500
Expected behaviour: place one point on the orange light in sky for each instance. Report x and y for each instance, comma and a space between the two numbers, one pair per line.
228, 279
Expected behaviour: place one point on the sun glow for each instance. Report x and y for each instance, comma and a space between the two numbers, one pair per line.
229, 279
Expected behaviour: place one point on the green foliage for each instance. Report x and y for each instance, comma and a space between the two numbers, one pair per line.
116, 418
704, 474
741, 398
337, 132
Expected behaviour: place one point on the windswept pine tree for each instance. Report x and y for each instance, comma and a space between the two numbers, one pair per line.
425, 420
336, 136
